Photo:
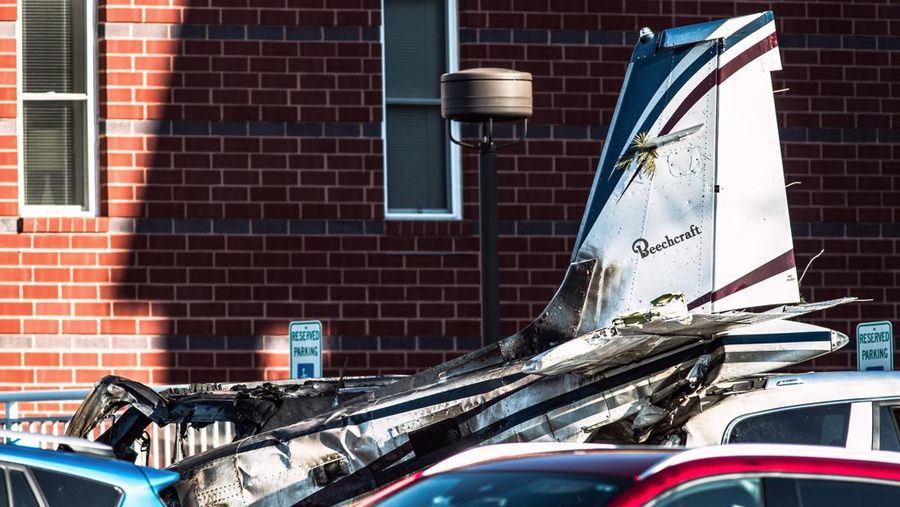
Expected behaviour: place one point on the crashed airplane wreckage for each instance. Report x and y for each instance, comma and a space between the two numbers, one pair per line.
686, 226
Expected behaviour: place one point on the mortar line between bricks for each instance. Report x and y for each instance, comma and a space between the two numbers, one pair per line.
468, 35
520, 228
627, 38
372, 130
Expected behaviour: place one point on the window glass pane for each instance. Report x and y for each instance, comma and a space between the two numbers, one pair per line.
784, 492
720, 493
414, 47
416, 160
505, 488
820, 425
66, 490
888, 439
22, 495
4, 494
53, 46
54, 153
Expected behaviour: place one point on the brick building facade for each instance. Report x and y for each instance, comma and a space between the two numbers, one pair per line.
239, 183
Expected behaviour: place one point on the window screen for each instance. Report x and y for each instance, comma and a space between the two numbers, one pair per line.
55, 100
416, 160
415, 56
415, 46
817, 425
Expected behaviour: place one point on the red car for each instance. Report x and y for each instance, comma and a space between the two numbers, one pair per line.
559, 475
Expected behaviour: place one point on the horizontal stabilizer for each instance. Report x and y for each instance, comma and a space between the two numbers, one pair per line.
628, 343
770, 346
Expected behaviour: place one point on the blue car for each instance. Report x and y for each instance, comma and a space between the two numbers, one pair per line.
83, 477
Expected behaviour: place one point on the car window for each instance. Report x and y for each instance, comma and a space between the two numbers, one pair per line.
4, 494
497, 489
731, 492
61, 489
815, 425
888, 438
788, 492
22, 494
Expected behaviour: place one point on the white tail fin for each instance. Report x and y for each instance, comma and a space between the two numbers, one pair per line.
689, 194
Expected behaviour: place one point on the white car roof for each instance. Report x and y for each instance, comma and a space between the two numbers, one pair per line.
784, 391
486, 453
848, 379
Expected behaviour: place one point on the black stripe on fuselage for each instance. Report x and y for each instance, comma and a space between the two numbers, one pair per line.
804, 337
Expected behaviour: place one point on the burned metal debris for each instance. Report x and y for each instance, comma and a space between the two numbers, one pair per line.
251, 407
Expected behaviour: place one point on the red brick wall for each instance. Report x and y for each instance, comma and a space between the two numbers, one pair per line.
241, 185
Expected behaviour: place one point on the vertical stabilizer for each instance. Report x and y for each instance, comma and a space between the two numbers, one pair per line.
689, 193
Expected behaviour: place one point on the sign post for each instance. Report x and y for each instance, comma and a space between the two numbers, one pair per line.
875, 346
306, 348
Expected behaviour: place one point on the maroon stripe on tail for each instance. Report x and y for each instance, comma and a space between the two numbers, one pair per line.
739, 61
749, 54
707, 83
696, 94
777, 265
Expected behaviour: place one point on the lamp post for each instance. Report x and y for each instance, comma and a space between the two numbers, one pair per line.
486, 96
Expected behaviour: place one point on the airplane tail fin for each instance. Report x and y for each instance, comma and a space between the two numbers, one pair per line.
689, 194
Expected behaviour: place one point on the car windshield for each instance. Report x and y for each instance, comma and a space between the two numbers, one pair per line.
500, 489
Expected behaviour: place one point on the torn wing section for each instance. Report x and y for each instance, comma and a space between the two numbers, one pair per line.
756, 342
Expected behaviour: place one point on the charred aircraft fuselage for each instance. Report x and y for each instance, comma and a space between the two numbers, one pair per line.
682, 231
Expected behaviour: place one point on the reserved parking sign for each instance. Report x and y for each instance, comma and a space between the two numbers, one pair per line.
875, 346
306, 348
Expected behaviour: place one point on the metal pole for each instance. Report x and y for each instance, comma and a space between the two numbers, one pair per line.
490, 262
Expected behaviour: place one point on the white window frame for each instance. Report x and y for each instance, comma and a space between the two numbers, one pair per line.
92, 142
454, 153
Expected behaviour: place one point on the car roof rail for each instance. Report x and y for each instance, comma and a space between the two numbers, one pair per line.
77, 445
757, 450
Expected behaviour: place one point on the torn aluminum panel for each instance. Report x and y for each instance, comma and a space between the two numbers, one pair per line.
252, 407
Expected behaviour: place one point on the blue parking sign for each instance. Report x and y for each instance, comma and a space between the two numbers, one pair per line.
306, 348
875, 346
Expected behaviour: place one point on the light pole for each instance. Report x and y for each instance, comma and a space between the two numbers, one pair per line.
485, 96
